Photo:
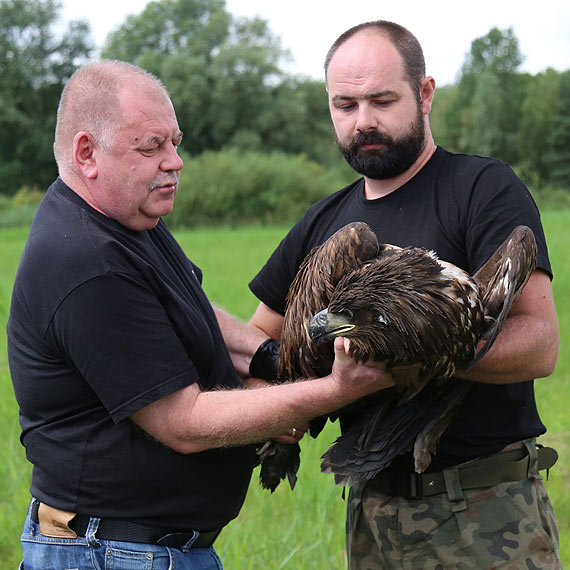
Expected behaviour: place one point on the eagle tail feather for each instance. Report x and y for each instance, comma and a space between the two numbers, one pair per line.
425, 445
394, 431
278, 460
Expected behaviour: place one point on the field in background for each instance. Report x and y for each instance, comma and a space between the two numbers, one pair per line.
303, 529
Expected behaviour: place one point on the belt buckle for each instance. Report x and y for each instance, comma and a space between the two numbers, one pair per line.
178, 539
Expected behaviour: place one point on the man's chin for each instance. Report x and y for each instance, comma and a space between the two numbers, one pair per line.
159, 210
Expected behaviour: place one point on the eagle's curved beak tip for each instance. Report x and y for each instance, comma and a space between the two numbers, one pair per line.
318, 326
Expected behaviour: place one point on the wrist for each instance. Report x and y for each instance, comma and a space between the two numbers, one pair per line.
264, 363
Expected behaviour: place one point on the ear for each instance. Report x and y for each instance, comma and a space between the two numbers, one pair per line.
84, 154
427, 89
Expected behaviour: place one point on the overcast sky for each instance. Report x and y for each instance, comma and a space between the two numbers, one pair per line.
445, 28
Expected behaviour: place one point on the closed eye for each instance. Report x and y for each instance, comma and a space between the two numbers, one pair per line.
383, 103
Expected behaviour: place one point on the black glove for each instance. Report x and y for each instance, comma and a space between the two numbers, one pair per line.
265, 360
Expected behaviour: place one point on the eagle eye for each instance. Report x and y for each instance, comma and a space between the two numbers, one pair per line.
382, 319
347, 313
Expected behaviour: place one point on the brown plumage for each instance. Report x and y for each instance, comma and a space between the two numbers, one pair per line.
299, 357
422, 316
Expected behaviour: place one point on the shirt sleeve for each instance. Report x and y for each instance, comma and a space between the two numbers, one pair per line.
114, 331
272, 283
499, 202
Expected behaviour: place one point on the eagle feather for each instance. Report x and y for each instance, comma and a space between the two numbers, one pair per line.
424, 317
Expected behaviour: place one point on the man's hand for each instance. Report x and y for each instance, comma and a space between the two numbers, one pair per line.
367, 378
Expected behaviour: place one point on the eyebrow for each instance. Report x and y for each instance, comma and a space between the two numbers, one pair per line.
375, 95
155, 140
160, 140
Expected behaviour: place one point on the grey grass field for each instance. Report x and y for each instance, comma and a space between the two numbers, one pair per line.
304, 529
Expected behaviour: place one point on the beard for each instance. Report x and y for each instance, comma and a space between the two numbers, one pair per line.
382, 164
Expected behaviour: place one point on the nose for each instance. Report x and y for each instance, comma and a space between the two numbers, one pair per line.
172, 160
366, 118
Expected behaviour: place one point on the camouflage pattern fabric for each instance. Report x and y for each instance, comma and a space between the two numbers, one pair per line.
511, 526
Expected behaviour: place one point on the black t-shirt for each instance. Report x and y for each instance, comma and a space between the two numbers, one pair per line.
462, 207
103, 322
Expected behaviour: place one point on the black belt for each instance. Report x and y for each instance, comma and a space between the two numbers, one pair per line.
128, 531
486, 472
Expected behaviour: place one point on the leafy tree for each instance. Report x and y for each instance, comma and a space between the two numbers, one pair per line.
486, 109
540, 114
443, 98
224, 77
34, 65
558, 158
488, 78
220, 71
297, 121
168, 27
498, 51
244, 75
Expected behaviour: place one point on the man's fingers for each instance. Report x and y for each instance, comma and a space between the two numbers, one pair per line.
341, 347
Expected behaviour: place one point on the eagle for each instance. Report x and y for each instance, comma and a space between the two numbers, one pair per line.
422, 316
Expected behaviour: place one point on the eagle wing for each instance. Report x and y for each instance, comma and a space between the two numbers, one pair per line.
501, 280
299, 357
311, 291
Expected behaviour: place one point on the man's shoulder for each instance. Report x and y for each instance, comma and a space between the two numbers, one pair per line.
466, 163
342, 197
70, 243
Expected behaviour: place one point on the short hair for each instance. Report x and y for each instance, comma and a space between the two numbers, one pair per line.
402, 39
90, 102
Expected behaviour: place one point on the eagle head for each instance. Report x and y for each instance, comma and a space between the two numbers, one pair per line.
405, 309
362, 325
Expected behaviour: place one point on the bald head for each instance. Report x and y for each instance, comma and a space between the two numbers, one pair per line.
90, 102
403, 41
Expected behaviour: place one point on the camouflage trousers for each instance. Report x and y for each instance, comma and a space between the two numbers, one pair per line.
510, 526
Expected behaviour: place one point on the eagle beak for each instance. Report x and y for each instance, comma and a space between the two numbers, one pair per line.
325, 326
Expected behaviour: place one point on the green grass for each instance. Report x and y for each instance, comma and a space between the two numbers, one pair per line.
297, 530
553, 393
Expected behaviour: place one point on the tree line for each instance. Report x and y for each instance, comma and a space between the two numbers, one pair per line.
231, 95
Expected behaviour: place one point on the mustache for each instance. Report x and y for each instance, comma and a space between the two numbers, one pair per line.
171, 179
370, 137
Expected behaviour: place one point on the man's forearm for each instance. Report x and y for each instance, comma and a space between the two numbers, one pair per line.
525, 349
241, 340
527, 346
190, 421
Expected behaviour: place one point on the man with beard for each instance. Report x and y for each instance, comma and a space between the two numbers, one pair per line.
414, 193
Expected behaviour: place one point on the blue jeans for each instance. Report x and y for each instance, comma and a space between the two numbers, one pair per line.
91, 553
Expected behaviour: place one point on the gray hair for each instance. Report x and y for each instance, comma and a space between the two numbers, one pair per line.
90, 102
